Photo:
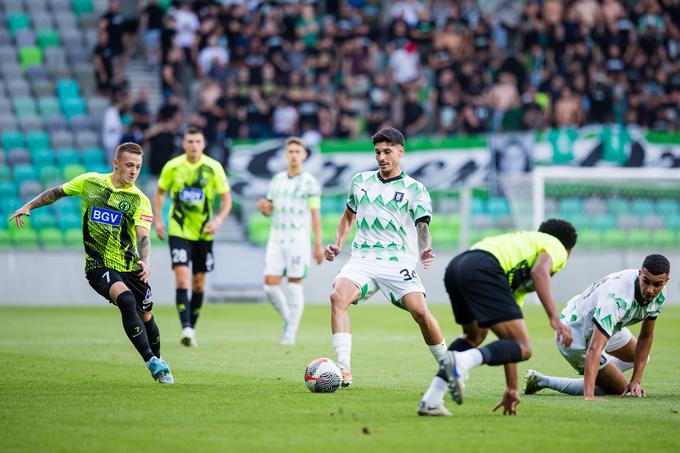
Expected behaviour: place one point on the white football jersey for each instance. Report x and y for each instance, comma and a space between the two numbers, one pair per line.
386, 214
292, 199
609, 302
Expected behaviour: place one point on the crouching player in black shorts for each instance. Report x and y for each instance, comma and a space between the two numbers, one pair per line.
116, 222
487, 285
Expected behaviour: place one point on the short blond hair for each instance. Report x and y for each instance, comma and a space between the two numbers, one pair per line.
129, 147
295, 141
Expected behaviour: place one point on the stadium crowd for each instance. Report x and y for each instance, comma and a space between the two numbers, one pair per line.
255, 69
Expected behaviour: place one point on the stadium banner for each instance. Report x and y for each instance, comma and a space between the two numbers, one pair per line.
447, 163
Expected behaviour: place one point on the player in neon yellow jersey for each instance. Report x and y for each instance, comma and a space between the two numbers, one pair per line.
116, 222
487, 285
193, 180
293, 201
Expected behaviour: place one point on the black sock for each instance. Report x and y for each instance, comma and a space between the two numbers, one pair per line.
133, 325
196, 304
154, 336
501, 352
182, 302
460, 345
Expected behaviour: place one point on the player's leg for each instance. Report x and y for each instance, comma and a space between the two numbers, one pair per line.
203, 261
345, 291
274, 268
197, 291
415, 304
180, 253
297, 263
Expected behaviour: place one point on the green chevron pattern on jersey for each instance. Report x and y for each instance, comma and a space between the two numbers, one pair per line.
291, 198
386, 211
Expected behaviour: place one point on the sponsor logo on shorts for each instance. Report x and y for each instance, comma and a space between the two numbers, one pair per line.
191, 194
146, 218
105, 216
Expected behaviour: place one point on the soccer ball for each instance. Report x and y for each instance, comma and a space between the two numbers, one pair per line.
323, 376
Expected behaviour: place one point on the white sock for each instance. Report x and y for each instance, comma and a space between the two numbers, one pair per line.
438, 350
296, 305
469, 359
342, 342
278, 300
568, 386
435, 393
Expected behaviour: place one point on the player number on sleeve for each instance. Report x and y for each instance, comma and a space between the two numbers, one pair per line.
408, 275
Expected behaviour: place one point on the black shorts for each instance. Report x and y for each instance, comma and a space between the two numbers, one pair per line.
479, 291
103, 278
198, 252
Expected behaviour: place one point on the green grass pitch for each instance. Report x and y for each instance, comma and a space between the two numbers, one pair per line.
70, 381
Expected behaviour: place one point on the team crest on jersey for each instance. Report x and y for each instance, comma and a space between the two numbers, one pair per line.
124, 206
398, 197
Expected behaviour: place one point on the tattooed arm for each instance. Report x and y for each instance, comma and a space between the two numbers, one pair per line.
46, 198
144, 250
427, 256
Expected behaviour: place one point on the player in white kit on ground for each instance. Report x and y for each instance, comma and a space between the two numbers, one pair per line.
603, 347
393, 213
293, 199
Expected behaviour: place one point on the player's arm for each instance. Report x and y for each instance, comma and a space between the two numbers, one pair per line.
46, 198
144, 250
158, 198
265, 206
225, 208
511, 395
598, 341
427, 256
344, 228
644, 345
316, 230
540, 275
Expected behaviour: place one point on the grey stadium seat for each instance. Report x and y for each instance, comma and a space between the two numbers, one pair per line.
18, 156
97, 105
86, 139
29, 189
80, 123
18, 87
62, 139
7, 122
30, 122
42, 88
25, 38
55, 123
13, 6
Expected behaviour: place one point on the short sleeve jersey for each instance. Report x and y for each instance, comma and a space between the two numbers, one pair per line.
610, 304
387, 211
192, 189
292, 199
517, 253
110, 216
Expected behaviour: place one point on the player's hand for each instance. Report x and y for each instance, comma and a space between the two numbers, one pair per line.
509, 402
265, 206
145, 272
331, 252
593, 398
427, 257
634, 389
562, 331
318, 254
24, 210
212, 226
160, 230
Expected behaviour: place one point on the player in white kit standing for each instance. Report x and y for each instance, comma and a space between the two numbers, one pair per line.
393, 213
292, 200
603, 347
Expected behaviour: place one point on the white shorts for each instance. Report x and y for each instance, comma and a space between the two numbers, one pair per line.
290, 261
577, 357
393, 279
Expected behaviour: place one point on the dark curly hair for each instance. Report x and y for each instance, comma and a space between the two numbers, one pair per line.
562, 230
657, 264
388, 135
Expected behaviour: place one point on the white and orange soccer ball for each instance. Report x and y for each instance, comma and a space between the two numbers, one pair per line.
323, 376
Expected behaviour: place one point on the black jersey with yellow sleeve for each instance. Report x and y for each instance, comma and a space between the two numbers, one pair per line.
110, 216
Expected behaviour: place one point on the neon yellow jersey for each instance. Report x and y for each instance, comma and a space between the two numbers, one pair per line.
110, 216
517, 253
192, 190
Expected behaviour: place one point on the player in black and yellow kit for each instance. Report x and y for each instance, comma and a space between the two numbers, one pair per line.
116, 222
193, 179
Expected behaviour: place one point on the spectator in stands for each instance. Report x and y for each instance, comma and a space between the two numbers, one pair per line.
214, 54
161, 139
103, 63
415, 120
141, 116
187, 26
112, 126
152, 24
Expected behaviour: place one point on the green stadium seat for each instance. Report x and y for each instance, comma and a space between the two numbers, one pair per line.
25, 172
9, 204
666, 239
50, 175
72, 107
24, 106
66, 157
73, 237
5, 239
5, 174
48, 38
479, 206
12, 139
26, 238
67, 88
49, 106
642, 207
103, 168
614, 239
9, 189
30, 56
570, 206
73, 170
69, 220
43, 157
82, 7
18, 21
667, 206
673, 222
442, 236
618, 206
579, 220
639, 238
589, 239
43, 218
605, 222
51, 238
37, 139
92, 156
498, 207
